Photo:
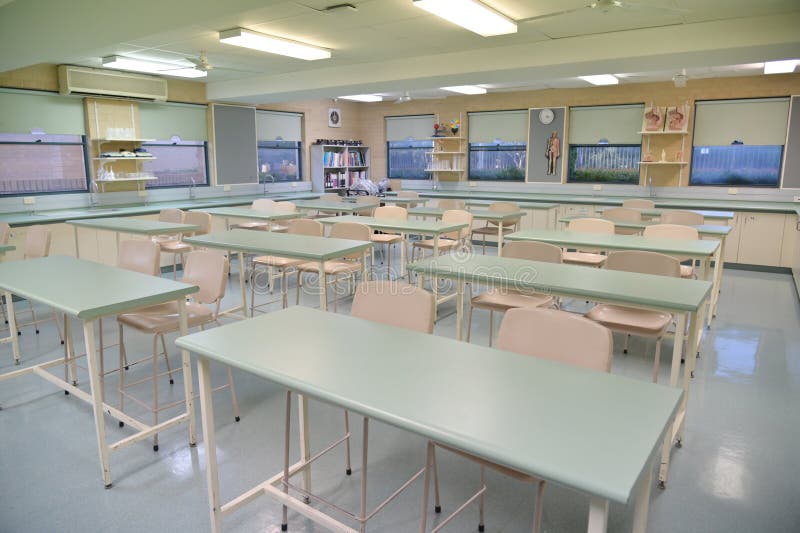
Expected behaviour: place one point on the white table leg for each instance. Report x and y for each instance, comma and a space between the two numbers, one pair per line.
242, 288
209, 438
97, 404
12, 326
460, 309
305, 443
717, 280
598, 515
77, 246
435, 280
677, 351
323, 289
402, 254
500, 239
186, 361
642, 504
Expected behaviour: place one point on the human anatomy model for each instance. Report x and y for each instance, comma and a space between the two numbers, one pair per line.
553, 152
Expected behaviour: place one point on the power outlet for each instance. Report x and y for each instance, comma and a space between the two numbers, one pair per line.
28, 200
226, 188
733, 190
294, 185
797, 198
597, 187
142, 194
473, 184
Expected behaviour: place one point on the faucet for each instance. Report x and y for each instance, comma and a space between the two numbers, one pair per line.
192, 192
271, 177
94, 191
652, 189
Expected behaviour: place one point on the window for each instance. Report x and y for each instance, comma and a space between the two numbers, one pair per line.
279, 159
279, 146
498, 145
177, 163
42, 163
408, 145
739, 142
604, 144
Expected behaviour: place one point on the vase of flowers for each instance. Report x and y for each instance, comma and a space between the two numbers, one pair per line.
454, 125
436, 128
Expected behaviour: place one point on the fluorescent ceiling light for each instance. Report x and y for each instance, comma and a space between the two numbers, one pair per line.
273, 45
470, 14
152, 67
363, 98
780, 67
601, 79
465, 89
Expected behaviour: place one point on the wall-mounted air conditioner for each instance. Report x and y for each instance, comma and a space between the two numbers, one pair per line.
85, 80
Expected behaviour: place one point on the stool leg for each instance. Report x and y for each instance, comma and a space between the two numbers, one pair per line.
287, 427
481, 525
363, 518
436, 501
469, 322
627, 340
166, 359
348, 469
284, 297
657, 360
122, 367
491, 326
155, 390
174, 266
297, 298
234, 400
537, 510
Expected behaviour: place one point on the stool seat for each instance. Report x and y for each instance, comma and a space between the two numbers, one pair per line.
165, 318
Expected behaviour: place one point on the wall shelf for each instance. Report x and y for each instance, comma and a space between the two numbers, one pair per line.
150, 158
663, 163
663, 133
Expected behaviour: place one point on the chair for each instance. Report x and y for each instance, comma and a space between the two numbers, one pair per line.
173, 216
503, 300
639, 203
368, 200
180, 248
549, 334
396, 304
209, 271
445, 204
344, 268
410, 195
632, 321
5, 232
587, 225
491, 227
330, 197
37, 245
282, 207
297, 226
392, 212
676, 231
684, 218
262, 204
624, 214
454, 239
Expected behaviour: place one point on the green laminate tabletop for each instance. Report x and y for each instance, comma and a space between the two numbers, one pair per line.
689, 248
719, 215
7, 248
522, 205
420, 227
280, 244
87, 289
705, 230
574, 281
396, 200
136, 226
477, 214
339, 207
247, 213
587, 430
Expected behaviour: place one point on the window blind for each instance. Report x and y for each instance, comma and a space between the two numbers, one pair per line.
23, 112
409, 127
163, 121
270, 125
760, 121
618, 124
508, 126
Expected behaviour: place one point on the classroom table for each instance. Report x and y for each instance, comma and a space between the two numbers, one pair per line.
403, 202
90, 291
522, 205
6, 248
334, 207
589, 431
719, 233
683, 298
131, 225
247, 213
652, 213
498, 217
305, 247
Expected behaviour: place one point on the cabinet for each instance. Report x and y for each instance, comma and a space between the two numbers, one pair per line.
795, 235
673, 145
761, 238
336, 167
447, 161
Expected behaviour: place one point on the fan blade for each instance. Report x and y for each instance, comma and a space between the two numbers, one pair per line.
636, 5
554, 14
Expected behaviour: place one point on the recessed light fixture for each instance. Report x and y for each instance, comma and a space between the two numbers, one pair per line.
363, 98
780, 67
273, 45
152, 67
601, 79
470, 14
465, 89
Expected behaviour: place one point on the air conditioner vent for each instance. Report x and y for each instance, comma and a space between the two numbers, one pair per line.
84, 80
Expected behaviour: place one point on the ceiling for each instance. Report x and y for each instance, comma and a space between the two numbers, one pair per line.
388, 46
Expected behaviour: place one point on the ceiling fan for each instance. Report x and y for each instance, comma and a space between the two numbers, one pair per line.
606, 6
406, 97
201, 64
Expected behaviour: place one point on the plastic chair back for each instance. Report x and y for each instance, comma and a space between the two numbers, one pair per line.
263, 204
623, 214
305, 226
209, 271
532, 251
142, 256
644, 263
394, 303
37, 242
173, 216
446, 204
639, 203
458, 216
591, 225
684, 218
672, 231
558, 336
199, 218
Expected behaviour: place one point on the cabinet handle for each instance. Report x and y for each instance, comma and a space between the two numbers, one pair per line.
797, 225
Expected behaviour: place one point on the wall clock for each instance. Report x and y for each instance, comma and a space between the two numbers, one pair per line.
334, 117
546, 116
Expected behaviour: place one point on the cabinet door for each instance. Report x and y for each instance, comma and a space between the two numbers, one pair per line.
761, 239
796, 263
732, 241
789, 247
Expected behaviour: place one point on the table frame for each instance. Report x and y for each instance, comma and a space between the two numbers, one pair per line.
128, 225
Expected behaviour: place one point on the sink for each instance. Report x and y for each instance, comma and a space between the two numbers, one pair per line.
67, 213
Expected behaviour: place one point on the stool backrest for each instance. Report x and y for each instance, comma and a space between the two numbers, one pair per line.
623, 214
639, 203
209, 271
263, 204
446, 204
591, 225
305, 226
672, 231
173, 216
685, 218
5, 232
458, 216
532, 251
199, 218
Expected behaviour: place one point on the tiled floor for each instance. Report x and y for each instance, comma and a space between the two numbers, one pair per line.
737, 472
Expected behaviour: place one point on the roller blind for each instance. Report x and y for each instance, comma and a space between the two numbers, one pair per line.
755, 122
411, 127
163, 121
508, 126
618, 124
272, 124
23, 112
